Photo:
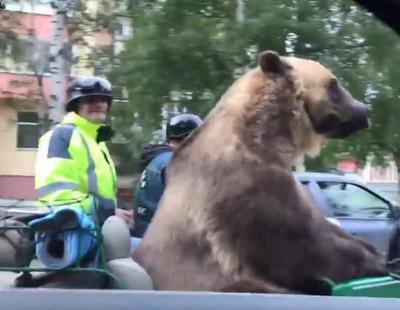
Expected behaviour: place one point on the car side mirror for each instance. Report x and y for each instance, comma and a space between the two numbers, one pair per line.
395, 211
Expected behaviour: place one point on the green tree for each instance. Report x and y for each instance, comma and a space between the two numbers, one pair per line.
185, 54
369, 72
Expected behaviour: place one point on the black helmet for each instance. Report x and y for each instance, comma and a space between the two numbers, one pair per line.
181, 125
85, 87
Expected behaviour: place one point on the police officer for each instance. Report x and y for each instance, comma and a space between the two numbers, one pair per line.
73, 162
154, 161
74, 165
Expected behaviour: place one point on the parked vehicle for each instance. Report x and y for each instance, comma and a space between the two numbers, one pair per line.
359, 210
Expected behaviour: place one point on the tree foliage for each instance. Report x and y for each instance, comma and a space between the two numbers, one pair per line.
184, 55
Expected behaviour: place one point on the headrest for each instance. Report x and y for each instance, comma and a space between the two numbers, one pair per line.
16, 249
116, 238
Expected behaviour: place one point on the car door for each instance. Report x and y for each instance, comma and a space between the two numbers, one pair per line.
361, 212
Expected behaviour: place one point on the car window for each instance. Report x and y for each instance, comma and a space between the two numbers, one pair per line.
305, 185
349, 200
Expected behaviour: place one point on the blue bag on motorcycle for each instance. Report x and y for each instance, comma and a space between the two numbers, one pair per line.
65, 237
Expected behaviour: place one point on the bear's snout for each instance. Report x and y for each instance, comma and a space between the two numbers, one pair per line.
359, 120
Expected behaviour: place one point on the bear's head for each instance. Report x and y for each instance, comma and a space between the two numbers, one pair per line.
294, 105
333, 112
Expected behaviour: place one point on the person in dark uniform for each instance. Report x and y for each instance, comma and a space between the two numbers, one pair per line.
154, 161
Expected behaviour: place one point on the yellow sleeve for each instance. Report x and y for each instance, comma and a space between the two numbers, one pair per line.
57, 173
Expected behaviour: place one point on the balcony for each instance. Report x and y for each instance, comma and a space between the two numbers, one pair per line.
23, 86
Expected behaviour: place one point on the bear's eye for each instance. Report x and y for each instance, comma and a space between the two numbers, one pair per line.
334, 91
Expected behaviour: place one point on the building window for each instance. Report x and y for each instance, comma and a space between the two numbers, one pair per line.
123, 29
24, 54
28, 130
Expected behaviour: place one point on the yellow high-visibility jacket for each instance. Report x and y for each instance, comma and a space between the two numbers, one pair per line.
72, 166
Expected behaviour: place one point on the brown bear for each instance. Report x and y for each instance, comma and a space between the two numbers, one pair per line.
232, 217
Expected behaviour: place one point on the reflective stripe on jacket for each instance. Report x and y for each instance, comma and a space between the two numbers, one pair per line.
72, 166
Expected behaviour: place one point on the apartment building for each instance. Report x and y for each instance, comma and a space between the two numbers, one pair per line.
25, 82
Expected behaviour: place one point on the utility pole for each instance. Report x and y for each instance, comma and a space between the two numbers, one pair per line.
56, 105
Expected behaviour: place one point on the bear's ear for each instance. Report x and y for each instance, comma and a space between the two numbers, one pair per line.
271, 62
